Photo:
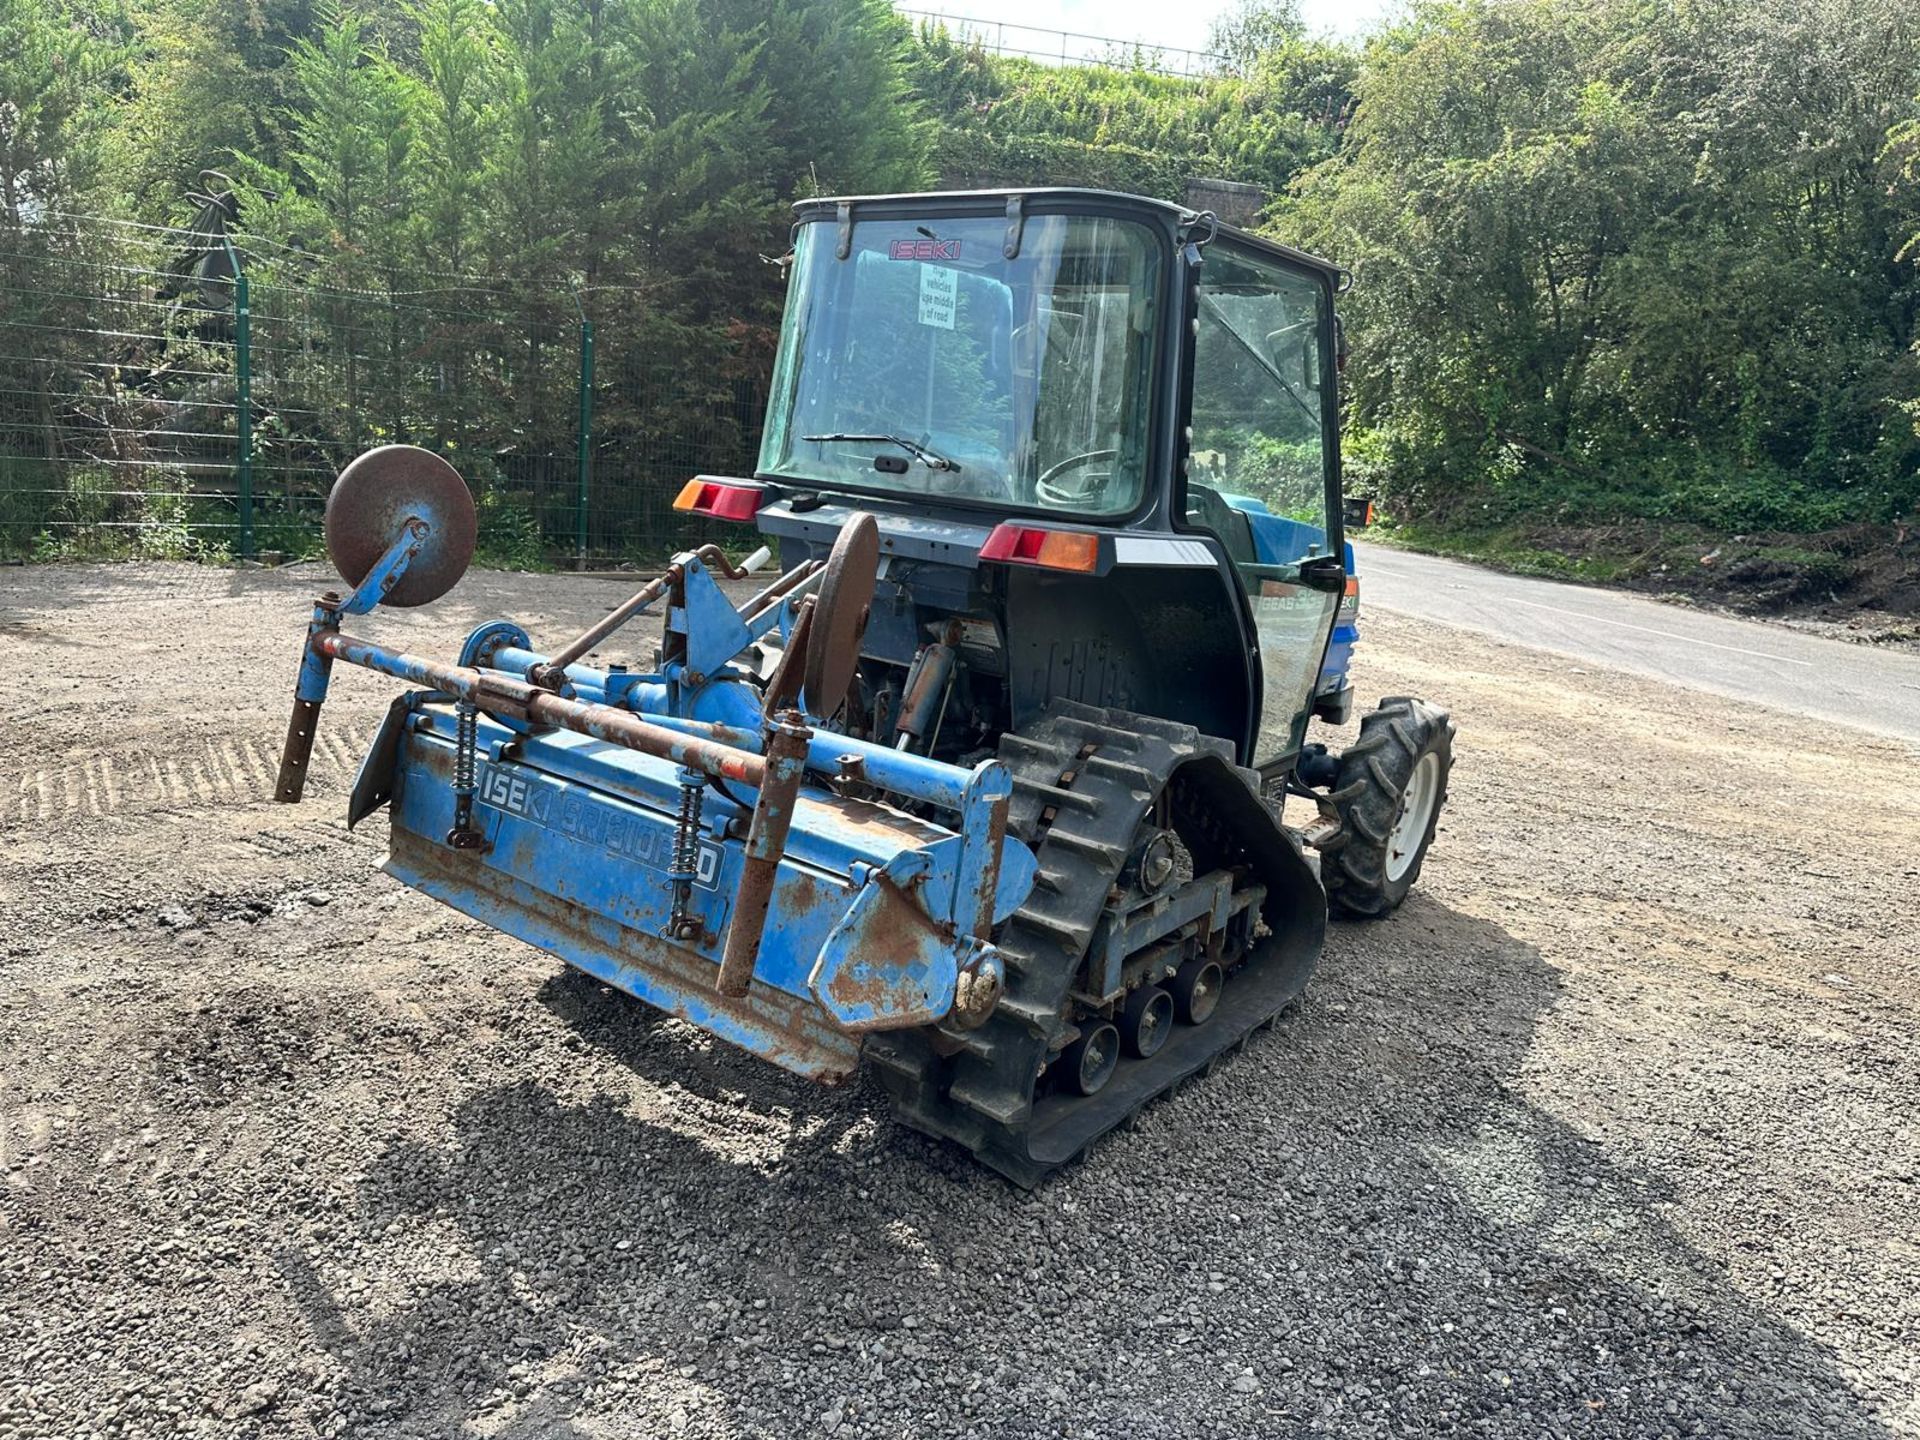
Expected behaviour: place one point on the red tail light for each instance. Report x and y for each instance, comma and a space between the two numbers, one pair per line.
1048, 549
718, 499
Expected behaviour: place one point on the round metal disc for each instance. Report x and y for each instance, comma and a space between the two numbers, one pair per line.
368, 510
840, 614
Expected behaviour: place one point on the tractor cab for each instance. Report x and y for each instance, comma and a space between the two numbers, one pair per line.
1117, 416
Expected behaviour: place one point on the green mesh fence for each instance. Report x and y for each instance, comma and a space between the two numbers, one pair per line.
149, 410
117, 401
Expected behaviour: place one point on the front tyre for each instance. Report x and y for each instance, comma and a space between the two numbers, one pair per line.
1392, 783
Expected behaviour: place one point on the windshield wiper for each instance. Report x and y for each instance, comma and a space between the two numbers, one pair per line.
1219, 317
932, 459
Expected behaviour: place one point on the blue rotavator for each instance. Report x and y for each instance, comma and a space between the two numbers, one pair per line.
986, 787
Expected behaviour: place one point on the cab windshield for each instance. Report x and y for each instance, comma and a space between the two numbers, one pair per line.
927, 362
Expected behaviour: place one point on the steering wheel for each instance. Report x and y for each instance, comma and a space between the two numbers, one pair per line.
1046, 490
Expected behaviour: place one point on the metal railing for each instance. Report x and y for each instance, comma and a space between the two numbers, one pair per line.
1070, 47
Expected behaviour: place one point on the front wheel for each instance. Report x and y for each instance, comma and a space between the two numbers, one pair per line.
1392, 783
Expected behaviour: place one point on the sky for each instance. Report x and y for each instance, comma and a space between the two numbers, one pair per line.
1147, 22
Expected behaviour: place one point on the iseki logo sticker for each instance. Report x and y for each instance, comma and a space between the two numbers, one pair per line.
924, 250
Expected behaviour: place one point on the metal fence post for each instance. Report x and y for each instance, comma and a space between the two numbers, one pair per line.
243, 398
583, 461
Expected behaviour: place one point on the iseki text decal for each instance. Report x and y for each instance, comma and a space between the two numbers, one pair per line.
924, 250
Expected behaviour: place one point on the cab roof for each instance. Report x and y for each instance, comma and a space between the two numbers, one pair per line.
990, 202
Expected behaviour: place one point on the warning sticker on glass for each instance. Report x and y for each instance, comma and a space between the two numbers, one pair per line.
939, 292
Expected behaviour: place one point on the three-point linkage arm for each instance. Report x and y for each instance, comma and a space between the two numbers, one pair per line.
553, 673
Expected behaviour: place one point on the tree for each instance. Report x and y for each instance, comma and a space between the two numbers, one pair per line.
332, 127
839, 110
338, 217
1903, 154
1251, 29
546, 188
549, 169
705, 211
206, 86
56, 73
1619, 259
451, 96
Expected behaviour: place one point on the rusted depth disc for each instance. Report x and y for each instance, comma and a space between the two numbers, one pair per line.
370, 505
840, 615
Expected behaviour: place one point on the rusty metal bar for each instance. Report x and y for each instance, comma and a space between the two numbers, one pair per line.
553, 674
786, 762
779, 589
901, 771
309, 691
988, 885
783, 686
298, 750
508, 695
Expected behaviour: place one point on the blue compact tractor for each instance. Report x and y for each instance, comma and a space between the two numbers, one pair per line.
985, 787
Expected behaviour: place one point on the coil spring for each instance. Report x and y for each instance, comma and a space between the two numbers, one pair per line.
684, 867
686, 841
465, 741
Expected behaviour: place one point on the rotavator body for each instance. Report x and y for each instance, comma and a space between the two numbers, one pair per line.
986, 788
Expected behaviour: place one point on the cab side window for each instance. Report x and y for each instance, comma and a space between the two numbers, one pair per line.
1257, 467
1257, 406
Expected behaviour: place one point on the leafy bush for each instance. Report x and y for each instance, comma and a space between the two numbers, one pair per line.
510, 536
288, 530
160, 530
1012, 121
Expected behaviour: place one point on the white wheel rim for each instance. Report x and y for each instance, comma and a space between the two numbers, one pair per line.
1416, 813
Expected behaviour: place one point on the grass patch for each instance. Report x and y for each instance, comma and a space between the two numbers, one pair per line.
1769, 573
1515, 549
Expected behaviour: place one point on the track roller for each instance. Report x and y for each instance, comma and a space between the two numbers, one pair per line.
1087, 1064
1146, 1021
1196, 990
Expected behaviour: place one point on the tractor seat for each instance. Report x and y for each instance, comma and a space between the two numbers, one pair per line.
1208, 511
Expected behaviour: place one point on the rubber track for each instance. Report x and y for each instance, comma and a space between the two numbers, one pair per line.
1117, 764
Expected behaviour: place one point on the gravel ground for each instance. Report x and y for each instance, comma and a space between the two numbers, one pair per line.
1610, 1132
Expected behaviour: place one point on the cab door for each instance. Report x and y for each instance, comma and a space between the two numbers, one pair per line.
1260, 466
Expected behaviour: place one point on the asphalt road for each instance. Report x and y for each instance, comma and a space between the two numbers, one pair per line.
1872, 689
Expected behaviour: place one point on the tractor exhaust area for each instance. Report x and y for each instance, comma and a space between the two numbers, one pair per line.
1610, 1130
